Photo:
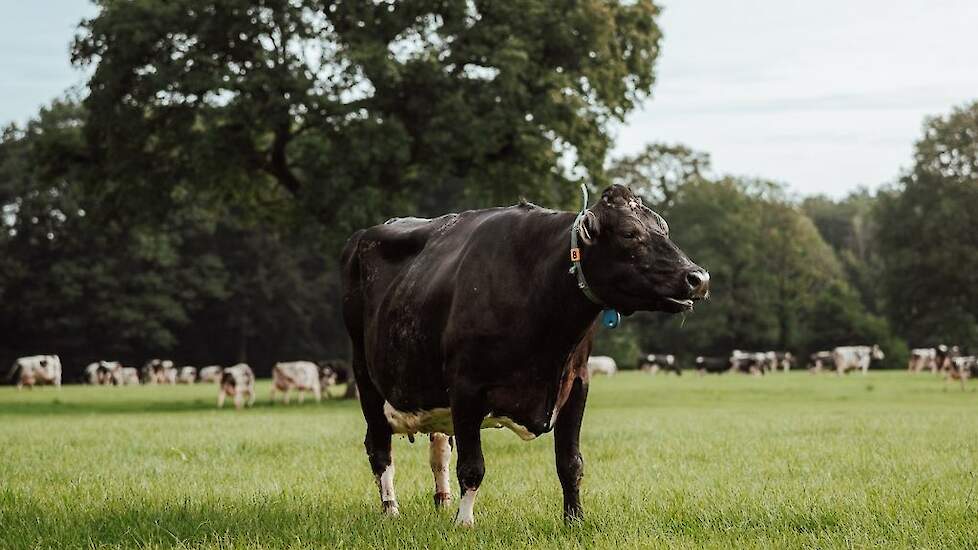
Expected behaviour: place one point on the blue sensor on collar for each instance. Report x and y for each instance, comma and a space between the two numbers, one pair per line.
610, 318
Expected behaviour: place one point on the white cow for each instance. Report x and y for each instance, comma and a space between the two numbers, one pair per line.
36, 370
128, 376
855, 357
302, 376
237, 382
187, 375
601, 364
210, 373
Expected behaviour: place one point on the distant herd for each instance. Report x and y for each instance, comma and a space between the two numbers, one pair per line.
308, 377
236, 381
943, 359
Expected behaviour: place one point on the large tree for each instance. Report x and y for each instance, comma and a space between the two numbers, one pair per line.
357, 110
929, 234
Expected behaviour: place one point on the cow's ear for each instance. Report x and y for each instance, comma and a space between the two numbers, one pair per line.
588, 228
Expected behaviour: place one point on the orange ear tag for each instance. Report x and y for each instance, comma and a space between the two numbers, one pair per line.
575, 254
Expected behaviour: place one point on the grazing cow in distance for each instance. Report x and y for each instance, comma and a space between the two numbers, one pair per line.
103, 373
961, 369
36, 370
821, 360
301, 376
237, 382
944, 356
128, 376
187, 375
211, 373
712, 365
159, 371
848, 358
601, 364
473, 320
748, 362
653, 363
922, 359
779, 360
327, 378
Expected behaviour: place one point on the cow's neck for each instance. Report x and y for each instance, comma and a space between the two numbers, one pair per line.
568, 312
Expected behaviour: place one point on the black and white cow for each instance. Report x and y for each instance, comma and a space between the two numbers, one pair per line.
848, 358
961, 368
922, 359
301, 376
238, 383
712, 365
159, 371
328, 377
654, 362
36, 370
473, 320
944, 357
103, 373
821, 360
748, 362
186, 375
779, 360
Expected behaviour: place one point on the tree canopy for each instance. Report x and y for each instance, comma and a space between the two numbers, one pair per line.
358, 110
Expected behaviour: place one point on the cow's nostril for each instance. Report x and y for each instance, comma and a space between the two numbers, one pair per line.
699, 283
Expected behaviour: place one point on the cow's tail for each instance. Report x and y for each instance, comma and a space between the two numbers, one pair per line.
14, 370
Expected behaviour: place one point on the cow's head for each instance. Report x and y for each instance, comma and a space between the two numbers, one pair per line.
877, 353
631, 263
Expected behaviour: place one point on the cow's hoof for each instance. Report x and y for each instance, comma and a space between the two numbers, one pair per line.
573, 515
442, 499
463, 522
390, 508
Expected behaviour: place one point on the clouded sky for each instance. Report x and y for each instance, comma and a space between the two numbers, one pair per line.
823, 96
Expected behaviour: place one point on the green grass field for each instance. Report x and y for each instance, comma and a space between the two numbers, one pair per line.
888, 460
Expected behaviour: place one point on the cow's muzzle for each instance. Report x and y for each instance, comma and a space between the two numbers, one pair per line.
698, 280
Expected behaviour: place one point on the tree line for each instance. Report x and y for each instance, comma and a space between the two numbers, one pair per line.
190, 202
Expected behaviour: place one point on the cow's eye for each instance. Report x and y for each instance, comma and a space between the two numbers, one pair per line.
631, 234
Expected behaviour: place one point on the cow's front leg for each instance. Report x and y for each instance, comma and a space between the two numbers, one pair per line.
220, 398
570, 464
440, 457
471, 467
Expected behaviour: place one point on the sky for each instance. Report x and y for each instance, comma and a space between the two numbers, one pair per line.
823, 96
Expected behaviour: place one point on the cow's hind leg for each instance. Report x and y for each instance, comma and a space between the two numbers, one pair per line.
440, 457
570, 464
471, 467
378, 444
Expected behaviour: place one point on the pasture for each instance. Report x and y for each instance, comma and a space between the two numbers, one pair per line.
888, 460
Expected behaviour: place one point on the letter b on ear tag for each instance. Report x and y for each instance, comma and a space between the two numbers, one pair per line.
610, 318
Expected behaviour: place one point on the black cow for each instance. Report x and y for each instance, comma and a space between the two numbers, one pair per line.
713, 365
473, 320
